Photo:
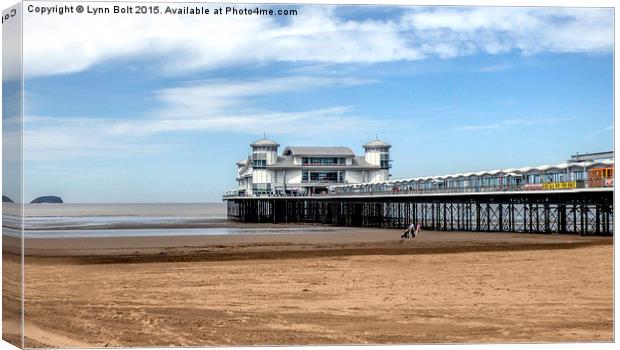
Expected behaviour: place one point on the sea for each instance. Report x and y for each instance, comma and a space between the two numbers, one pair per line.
131, 220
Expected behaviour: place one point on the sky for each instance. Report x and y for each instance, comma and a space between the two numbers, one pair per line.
159, 108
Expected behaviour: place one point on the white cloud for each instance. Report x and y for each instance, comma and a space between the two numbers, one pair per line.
491, 126
316, 35
495, 30
51, 138
196, 42
500, 67
598, 132
213, 96
211, 105
510, 123
229, 105
301, 123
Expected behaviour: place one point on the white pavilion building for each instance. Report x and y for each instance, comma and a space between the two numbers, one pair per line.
309, 170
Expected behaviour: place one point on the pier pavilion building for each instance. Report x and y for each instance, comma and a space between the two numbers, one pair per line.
301, 170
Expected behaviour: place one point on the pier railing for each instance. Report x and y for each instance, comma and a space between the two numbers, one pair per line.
548, 186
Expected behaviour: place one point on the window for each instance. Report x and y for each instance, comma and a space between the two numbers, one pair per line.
577, 175
600, 173
259, 164
323, 161
533, 178
261, 188
322, 176
385, 161
259, 160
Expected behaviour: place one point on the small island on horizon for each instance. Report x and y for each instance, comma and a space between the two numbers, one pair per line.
38, 200
47, 199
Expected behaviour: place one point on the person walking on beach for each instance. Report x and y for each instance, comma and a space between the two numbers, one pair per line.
408, 231
417, 230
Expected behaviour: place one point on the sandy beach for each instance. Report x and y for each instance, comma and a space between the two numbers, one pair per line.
359, 286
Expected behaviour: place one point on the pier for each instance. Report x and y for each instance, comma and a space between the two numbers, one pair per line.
584, 211
333, 186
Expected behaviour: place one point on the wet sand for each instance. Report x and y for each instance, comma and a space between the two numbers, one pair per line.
361, 286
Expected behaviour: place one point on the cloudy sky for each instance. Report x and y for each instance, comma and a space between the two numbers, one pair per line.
159, 108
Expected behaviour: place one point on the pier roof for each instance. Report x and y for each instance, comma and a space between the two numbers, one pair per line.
318, 151
265, 142
513, 172
287, 162
377, 143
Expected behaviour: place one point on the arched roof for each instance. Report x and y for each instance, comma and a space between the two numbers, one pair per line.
265, 142
377, 143
511, 172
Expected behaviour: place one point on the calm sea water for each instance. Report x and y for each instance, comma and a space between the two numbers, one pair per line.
129, 220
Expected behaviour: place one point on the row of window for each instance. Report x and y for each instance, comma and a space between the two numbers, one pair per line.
264, 148
488, 181
385, 161
601, 173
378, 148
263, 188
259, 163
259, 155
322, 176
323, 161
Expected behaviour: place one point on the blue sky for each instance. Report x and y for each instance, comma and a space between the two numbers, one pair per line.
159, 109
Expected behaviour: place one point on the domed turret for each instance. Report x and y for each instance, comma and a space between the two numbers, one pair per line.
264, 152
265, 143
377, 144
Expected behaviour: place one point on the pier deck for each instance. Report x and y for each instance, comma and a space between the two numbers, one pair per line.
585, 211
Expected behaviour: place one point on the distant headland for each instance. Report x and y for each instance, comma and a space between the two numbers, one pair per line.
47, 199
